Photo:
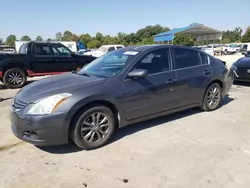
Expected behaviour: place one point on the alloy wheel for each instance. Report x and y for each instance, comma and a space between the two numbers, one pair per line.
95, 127
213, 96
15, 78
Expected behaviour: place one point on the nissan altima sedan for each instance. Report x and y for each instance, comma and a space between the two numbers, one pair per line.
122, 87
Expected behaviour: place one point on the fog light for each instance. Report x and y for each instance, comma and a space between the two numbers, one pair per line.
30, 134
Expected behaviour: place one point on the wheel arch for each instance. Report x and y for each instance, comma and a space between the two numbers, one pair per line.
15, 66
216, 80
105, 103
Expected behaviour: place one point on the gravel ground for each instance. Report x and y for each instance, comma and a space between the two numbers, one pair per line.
191, 149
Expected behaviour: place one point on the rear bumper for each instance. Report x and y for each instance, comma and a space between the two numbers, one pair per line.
39, 130
228, 83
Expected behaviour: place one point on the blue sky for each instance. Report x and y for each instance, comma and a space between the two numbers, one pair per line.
47, 17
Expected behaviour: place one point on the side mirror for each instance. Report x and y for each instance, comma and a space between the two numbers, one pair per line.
247, 54
138, 73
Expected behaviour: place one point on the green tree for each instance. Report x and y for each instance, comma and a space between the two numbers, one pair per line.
184, 39
69, 36
10, 40
25, 38
1, 41
110, 40
148, 32
246, 36
39, 38
49, 39
99, 37
127, 39
58, 36
85, 38
94, 44
121, 36
232, 36
66, 35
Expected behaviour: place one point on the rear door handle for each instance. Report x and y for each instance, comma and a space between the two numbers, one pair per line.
206, 71
171, 81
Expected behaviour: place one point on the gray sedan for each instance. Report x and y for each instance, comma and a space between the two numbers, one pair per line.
122, 87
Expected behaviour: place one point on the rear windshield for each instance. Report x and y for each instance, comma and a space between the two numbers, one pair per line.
23, 49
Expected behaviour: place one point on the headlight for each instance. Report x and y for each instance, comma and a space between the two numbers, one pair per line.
48, 105
234, 67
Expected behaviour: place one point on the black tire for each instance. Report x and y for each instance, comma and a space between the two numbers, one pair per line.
79, 136
14, 84
206, 105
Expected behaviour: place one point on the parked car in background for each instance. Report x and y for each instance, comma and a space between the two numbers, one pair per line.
241, 68
245, 48
83, 51
103, 50
229, 49
120, 88
209, 50
72, 45
38, 59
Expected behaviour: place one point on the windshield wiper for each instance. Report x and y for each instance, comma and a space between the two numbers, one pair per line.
85, 74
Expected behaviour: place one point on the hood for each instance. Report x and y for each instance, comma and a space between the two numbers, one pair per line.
95, 53
63, 83
243, 62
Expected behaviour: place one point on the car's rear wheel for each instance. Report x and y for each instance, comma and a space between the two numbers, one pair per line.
93, 127
14, 78
212, 98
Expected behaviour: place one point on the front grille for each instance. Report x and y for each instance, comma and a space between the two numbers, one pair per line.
18, 104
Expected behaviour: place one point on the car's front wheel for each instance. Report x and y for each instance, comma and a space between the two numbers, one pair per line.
212, 98
93, 127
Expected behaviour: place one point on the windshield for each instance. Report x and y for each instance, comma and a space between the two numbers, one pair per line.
109, 64
102, 49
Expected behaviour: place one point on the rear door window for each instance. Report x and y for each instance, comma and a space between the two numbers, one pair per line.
185, 58
203, 58
41, 50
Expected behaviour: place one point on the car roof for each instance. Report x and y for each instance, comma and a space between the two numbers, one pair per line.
143, 48
45, 42
112, 45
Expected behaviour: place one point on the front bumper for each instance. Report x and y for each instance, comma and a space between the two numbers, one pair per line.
241, 75
39, 130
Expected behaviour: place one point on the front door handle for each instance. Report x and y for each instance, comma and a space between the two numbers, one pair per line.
171, 81
206, 71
